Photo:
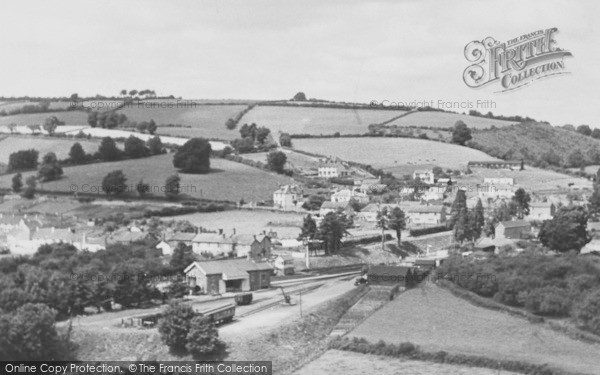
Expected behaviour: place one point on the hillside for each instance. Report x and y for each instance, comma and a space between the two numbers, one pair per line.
436, 320
69, 117
227, 181
396, 155
447, 120
59, 146
530, 141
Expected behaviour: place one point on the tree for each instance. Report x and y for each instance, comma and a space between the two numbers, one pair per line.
331, 231
462, 229
248, 131
202, 338
142, 188
596, 133
108, 150
261, 134
31, 183
114, 183
243, 145
300, 97
459, 204
29, 334
17, 183
172, 186
461, 133
382, 222
182, 257
551, 158
309, 228
132, 284
276, 161
93, 119
193, 156
123, 92
135, 148
313, 202
50, 168
567, 230
155, 145
23, 159
133, 93
51, 123
587, 313
285, 140
77, 155
584, 129
230, 124
521, 200
397, 222
576, 159
151, 127
175, 325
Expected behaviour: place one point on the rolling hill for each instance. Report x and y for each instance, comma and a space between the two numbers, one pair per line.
446, 120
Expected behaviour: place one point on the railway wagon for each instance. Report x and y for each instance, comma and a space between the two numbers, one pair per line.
219, 314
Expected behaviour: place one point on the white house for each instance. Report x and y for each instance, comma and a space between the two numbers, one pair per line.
164, 247
287, 197
332, 169
346, 195
424, 175
213, 244
427, 215
540, 211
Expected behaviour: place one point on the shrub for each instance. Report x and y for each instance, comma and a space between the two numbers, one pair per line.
202, 338
174, 326
587, 314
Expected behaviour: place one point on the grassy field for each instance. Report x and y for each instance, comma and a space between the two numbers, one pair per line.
205, 120
295, 160
69, 117
447, 120
247, 222
227, 181
531, 179
306, 120
59, 146
398, 155
336, 362
434, 319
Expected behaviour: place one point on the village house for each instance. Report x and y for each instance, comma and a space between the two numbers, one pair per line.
512, 229
333, 169
287, 197
284, 265
369, 212
346, 195
231, 275
425, 176
370, 185
181, 237
427, 215
344, 207
541, 211
252, 246
213, 245
164, 247
434, 193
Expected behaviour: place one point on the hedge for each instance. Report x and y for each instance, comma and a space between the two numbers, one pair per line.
429, 230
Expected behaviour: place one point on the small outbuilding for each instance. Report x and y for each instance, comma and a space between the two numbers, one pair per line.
231, 275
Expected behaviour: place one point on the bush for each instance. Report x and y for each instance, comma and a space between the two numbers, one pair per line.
202, 338
587, 314
193, 156
428, 230
174, 326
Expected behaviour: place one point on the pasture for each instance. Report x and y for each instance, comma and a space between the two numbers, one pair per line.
447, 120
436, 320
396, 155
43, 145
228, 180
336, 362
247, 222
206, 121
69, 117
316, 121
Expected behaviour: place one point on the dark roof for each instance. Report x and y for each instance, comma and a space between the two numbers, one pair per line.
425, 262
389, 270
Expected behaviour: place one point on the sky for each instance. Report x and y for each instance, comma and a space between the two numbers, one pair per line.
357, 51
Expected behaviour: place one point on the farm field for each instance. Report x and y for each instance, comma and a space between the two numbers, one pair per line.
447, 120
206, 121
246, 221
337, 362
436, 320
294, 160
59, 146
69, 117
316, 121
393, 154
228, 180
531, 179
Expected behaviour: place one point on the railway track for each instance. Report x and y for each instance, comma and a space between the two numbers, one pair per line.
279, 301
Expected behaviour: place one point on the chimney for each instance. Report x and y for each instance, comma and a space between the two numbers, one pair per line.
234, 231
220, 230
